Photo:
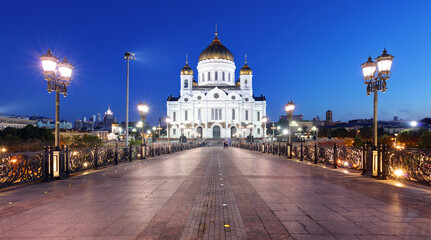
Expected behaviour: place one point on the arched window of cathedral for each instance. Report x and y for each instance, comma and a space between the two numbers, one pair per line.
209, 76
174, 131
216, 76
229, 77
186, 83
246, 83
223, 77
258, 131
203, 80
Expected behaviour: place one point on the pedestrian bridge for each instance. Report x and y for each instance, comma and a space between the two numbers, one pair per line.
215, 193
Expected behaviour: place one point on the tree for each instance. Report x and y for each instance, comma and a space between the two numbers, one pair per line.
358, 142
409, 137
425, 140
386, 139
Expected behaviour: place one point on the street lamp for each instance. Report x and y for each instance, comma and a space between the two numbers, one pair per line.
290, 107
264, 121
143, 110
376, 81
128, 56
315, 131
168, 120
58, 75
413, 123
181, 135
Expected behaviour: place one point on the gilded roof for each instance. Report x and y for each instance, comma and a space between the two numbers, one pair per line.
187, 70
246, 70
216, 50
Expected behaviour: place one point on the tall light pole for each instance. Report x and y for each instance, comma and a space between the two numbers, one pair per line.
58, 76
168, 121
315, 130
290, 107
376, 81
128, 56
264, 121
143, 110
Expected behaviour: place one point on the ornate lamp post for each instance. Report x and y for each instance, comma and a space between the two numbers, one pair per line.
250, 126
315, 130
376, 81
182, 130
128, 56
264, 121
168, 121
58, 76
289, 108
143, 110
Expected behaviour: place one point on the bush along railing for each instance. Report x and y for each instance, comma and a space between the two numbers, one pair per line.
52, 163
381, 162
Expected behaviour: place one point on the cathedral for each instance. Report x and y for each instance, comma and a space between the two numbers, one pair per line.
216, 106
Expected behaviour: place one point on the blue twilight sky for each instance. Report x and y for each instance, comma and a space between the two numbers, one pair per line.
306, 51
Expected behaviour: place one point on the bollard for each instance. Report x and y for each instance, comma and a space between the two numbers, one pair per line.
46, 163
364, 156
116, 154
335, 155
130, 153
315, 153
302, 151
51, 163
67, 171
384, 163
95, 157
279, 149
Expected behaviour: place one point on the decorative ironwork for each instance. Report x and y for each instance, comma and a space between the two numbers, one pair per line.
410, 164
21, 167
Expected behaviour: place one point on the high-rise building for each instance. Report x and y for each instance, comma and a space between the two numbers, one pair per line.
108, 119
328, 118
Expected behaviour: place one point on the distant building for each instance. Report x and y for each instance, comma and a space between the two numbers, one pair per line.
15, 121
395, 118
51, 124
108, 119
328, 118
298, 117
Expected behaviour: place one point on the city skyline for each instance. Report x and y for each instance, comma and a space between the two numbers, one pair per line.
312, 59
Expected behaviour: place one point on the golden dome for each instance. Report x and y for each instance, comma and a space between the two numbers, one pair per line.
238, 82
194, 83
187, 70
246, 70
216, 50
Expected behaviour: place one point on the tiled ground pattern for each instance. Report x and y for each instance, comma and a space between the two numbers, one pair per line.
214, 193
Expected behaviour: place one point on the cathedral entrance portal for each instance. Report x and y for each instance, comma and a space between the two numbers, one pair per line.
232, 132
216, 132
199, 131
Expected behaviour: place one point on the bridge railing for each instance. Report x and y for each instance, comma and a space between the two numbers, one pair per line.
407, 164
16, 168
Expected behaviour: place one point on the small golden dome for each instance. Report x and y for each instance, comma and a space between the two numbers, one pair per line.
238, 82
216, 50
246, 70
194, 83
187, 70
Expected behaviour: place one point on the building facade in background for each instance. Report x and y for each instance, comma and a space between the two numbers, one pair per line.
216, 105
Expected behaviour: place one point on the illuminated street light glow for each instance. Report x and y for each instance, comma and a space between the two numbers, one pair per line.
285, 131
413, 123
399, 173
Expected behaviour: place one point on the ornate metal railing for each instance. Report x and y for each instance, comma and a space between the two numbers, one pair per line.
33, 166
409, 164
21, 167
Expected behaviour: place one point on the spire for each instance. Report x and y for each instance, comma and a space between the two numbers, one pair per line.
216, 30
246, 58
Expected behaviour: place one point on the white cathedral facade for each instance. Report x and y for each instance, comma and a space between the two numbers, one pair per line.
216, 106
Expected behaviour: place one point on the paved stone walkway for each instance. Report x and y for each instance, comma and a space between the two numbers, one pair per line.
215, 193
